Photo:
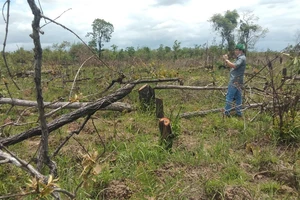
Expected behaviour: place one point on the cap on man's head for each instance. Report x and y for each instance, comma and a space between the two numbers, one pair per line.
240, 47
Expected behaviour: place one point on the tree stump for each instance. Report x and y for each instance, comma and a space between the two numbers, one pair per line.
159, 108
166, 136
284, 72
146, 96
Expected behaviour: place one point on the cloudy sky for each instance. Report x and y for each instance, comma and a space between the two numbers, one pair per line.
140, 23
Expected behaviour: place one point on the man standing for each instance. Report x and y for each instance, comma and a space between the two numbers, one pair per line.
236, 80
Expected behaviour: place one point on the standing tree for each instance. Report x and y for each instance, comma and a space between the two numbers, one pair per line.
102, 31
249, 32
225, 25
176, 49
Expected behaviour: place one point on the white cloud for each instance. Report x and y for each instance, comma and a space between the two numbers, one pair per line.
150, 22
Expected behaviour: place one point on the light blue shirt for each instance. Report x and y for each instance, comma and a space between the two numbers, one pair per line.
237, 73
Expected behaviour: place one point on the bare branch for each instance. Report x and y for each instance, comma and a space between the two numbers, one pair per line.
56, 17
205, 112
4, 43
9, 196
69, 194
188, 87
157, 80
29, 168
3, 7
72, 116
117, 106
79, 39
20, 163
77, 75
104, 147
71, 134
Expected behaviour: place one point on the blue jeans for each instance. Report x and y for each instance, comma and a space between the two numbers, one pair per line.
234, 93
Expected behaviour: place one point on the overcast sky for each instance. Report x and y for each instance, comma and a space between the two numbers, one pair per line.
141, 23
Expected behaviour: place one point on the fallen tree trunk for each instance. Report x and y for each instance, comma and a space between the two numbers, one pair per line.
31, 73
296, 78
117, 106
197, 87
72, 116
205, 112
158, 80
188, 87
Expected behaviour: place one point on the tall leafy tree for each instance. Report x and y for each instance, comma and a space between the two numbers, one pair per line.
102, 31
225, 25
249, 31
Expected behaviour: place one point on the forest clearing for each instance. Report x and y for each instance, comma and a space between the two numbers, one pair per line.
77, 122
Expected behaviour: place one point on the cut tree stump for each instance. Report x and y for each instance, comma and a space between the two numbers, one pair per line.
159, 108
146, 96
166, 135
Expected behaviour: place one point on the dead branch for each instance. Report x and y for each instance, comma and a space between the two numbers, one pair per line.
11, 158
70, 117
199, 113
9, 196
250, 106
71, 134
56, 17
256, 74
188, 87
158, 80
30, 73
74, 81
296, 78
205, 112
43, 157
117, 106
22, 164
4, 44
53, 21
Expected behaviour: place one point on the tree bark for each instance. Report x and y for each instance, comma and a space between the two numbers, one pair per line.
43, 157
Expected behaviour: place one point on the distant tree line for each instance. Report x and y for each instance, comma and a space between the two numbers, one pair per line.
231, 26
67, 53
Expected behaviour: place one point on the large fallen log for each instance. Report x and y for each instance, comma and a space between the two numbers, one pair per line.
88, 109
117, 106
205, 112
159, 87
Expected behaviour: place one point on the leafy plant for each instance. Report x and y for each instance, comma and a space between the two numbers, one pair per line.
43, 190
